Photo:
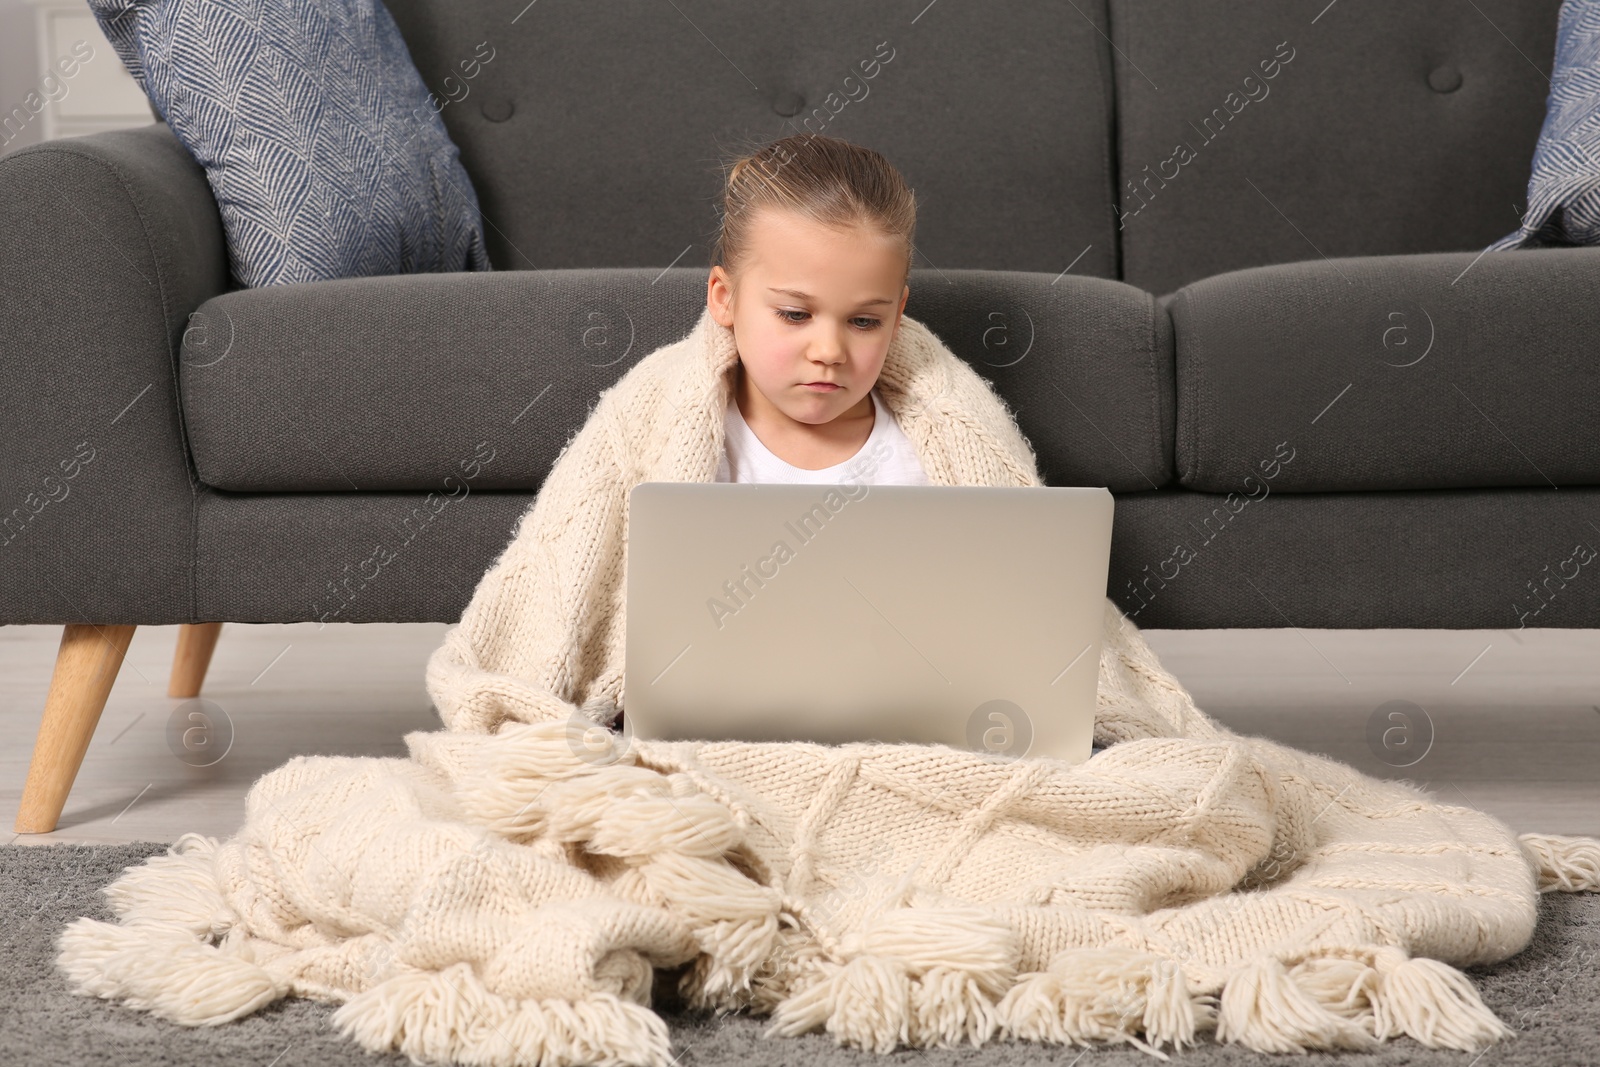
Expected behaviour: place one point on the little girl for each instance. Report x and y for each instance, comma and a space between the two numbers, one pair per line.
813, 260
802, 368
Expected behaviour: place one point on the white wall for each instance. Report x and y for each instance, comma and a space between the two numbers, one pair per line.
95, 92
19, 73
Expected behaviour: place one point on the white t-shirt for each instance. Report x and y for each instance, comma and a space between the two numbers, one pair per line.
887, 457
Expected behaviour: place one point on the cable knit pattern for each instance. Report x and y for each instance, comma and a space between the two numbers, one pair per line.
519, 888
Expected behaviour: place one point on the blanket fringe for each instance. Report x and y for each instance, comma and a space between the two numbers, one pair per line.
164, 971
179, 888
916, 976
577, 784
733, 919
1265, 1008
449, 1016
865, 1003
1434, 1003
1331, 1001
1107, 994
162, 958
1564, 864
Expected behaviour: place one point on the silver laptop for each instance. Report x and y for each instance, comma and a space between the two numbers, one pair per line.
965, 615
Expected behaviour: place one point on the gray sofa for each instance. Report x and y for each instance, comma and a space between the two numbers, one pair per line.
1317, 404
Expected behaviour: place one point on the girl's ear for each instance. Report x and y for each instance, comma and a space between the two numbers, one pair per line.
719, 294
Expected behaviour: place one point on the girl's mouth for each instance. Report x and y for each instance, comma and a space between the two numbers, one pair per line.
821, 387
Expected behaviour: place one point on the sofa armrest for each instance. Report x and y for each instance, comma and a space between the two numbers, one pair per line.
112, 239
1440, 371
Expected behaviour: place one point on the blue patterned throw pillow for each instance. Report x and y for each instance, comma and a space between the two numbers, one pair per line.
315, 131
1564, 192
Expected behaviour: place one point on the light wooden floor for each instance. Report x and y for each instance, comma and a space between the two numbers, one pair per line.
1514, 716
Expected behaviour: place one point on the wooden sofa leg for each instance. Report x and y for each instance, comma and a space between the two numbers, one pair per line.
86, 666
196, 642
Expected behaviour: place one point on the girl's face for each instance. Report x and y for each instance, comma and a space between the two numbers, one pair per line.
814, 305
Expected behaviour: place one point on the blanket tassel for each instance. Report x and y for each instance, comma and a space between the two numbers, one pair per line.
878, 1003
449, 1016
1108, 994
1332, 1001
163, 957
1564, 864
581, 785
917, 977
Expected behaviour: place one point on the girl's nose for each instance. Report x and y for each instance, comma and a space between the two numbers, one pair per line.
829, 351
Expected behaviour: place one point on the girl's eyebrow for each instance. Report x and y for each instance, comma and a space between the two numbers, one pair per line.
797, 294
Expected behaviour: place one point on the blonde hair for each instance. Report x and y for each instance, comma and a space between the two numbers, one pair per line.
824, 179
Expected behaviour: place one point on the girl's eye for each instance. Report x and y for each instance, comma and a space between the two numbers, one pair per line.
869, 322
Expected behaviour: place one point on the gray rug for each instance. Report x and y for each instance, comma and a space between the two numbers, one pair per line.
1550, 993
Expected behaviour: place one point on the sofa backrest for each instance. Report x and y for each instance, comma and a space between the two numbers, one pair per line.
1387, 128
594, 132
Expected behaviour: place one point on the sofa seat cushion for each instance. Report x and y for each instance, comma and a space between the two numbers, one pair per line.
1447, 370
450, 381
1458, 559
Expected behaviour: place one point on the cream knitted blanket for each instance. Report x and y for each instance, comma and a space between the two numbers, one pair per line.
526, 883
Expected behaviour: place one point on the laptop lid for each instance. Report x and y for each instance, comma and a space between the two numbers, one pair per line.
965, 615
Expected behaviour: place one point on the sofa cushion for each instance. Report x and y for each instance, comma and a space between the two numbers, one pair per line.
1564, 192
1454, 558
1391, 372
319, 139
1408, 133
401, 383
1439, 558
